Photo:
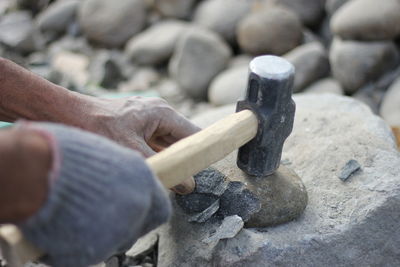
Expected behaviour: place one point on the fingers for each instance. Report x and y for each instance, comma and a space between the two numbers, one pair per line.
186, 187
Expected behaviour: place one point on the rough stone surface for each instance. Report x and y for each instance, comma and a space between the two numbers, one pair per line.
356, 63
210, 181
229, 228
367, 20
239, 200
229, 86
18, 32
270, 31
282, 195
309, 11
345, 224
112, 23
58, 16
206, 214
327, 85
258, 201
198, 57
390, 108
175, 8
213, 15
156, 44
311, 63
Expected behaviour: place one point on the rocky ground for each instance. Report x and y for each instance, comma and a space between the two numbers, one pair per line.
195, 53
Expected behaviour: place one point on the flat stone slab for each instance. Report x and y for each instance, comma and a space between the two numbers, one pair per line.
351, 223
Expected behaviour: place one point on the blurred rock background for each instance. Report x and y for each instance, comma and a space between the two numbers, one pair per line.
195, 53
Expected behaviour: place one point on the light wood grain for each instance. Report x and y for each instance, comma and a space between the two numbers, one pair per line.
173, 165
195, 153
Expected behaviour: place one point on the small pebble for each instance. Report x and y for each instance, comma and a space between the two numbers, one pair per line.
349, 169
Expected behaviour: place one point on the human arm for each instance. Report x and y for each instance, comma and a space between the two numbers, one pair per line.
145, 124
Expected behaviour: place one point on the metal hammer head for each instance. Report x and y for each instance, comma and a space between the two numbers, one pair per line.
269, 96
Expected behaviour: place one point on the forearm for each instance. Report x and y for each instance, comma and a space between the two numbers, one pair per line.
26, 95
25, 160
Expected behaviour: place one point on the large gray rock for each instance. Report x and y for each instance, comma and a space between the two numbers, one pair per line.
198, 57
175, 8
18, 32
156, 44
356, 63
309, 11
390, 108
213, 15
367, 20
272, 30
58, 16
112, 23
311, 63
229, 86
351, 223
323, 86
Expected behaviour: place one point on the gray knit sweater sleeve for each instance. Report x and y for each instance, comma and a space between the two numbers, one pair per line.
102, 198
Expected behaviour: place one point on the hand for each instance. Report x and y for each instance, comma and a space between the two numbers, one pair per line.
146, 124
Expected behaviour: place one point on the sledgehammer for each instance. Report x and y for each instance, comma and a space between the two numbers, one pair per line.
259, 128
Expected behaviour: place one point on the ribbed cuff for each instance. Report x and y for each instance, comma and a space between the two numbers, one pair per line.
101, 197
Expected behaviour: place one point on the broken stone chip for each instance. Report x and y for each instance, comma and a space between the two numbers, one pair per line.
349, 169
229, 228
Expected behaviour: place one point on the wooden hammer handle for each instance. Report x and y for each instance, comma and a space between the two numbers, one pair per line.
196, 152
172, 166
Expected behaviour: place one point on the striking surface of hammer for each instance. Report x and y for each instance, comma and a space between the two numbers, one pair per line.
269, 96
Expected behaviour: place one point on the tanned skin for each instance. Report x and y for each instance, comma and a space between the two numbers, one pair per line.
144, 124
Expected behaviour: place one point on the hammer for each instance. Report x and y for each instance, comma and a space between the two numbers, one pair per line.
263, 121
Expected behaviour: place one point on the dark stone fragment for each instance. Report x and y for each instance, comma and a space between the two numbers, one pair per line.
206, 214
195, 202
210, 181
349, 169
238, 200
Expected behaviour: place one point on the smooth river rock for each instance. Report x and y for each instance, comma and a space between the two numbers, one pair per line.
198, 57
58, 16
311, 63
213, 15
367, 20
272, 30
156, 44
355, 63
229, 86
323, 86
390, 108
112, 23
309, 11
174, 8
346, 223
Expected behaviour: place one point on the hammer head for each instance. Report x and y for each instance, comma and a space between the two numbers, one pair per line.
269, 96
